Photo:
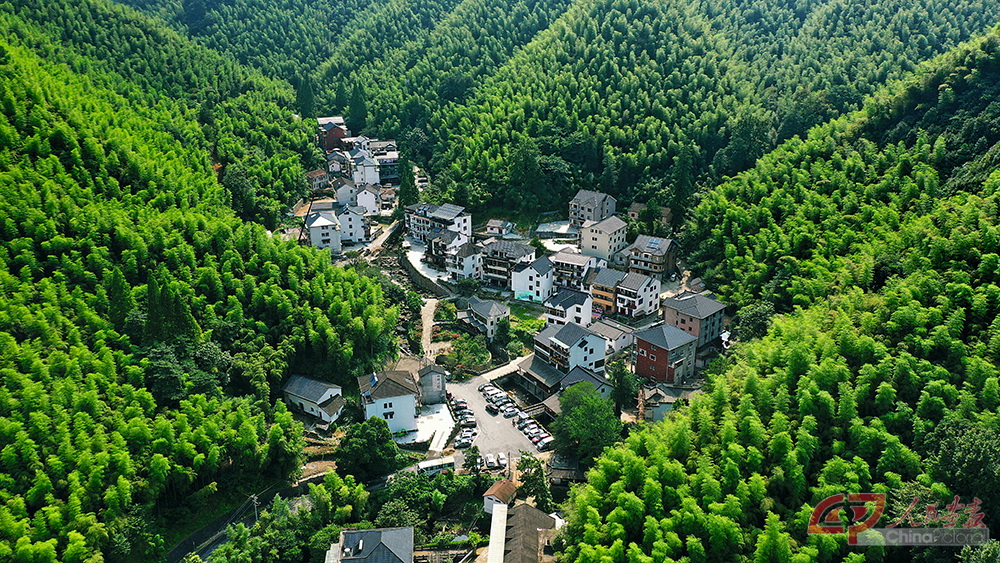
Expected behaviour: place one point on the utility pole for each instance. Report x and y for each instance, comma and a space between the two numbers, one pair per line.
256, 503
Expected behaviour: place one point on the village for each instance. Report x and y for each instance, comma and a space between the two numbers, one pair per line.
556, 304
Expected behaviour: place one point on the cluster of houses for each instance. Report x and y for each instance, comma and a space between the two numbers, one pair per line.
359, 176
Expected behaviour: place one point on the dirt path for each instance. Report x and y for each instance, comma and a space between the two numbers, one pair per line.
427, 323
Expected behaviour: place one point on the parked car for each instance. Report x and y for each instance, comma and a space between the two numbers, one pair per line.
460, 404
491, 461
502, 459
492, 409
483, 386
539, 437
469, 432
509, 412
546, 444
463, 443
468, 422
520, 421
487, 389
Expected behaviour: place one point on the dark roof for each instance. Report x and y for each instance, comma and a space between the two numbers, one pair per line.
697, 305
309, 389
431, 369
634, 281
652, 245
570, 258
608, 330
541, 371
387, 384
566, 298
382, 545
448, 211
446, 236
467, 249
508, 249
571, 333
543, 265
579, 374
488, 308
636, 207
552, 404
583, 197
499, 224
666, 336
503, 490
332, 405
607, 277
522, 543
609, 225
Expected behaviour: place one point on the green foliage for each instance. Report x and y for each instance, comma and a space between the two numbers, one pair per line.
368, 451
587, 423
624, 386
534, 481
473, 461
873, 378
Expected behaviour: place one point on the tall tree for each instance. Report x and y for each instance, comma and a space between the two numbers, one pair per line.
624, 386
534, 482
357, 114
587, 423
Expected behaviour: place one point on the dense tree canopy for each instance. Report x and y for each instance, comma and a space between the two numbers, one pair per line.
885, 359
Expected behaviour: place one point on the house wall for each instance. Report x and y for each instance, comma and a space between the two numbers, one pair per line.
399, 412
432, 388
706, 330
299, 403
595, 242
369, 201
590, 356
529, 285
654, 362
489, 502
468, 267
347, 194
352, 227
326, 236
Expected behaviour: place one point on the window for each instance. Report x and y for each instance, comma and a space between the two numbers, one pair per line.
389, 415
387, 406
683, 321
642, 352
652, 357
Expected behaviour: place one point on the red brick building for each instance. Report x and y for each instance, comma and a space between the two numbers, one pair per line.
665, 354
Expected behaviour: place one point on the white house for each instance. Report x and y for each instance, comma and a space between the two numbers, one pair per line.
499, 227
569, 306
311, 396
324, 230
353, 224
618, 336
484, 315
571, 345
637, 295
603, 239
501, 492
590, 206
576, 375
318, 179
347, 192
572, 268
532, 282
465, 262
424, 219
365, 169
370, 198
391, 396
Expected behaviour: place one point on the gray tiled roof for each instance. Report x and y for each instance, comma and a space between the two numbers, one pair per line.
607, 330
388, 384
610, 225
536, 368
634, 281
543, 265
583, 197
308, 388
522, 543
652, 245
332, 405
607, 277
571, 333
570, 258
488, 308
578, 374
666, 336
448, 211
509, 249
381, 545
696, 305
321, 218
566, 298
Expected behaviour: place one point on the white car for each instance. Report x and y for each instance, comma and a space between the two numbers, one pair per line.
502, 459
491, 461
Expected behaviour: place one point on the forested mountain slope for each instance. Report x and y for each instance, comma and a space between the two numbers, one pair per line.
619, 92
879, 235
144, 329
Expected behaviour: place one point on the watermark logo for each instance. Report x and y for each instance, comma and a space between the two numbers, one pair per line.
857, 514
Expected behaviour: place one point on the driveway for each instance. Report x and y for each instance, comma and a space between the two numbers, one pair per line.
496, 433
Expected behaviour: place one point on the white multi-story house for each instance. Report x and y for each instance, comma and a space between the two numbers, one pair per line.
370, 198
465, 262
484, 316
501, 257
603, 239
533, 282
392, 396
318, 179
353, 224
590, 206
618, 336
569, 306
324, 230
366, 170
312, 396
637, 295
569, 346
572, 268
499, 227
424, 219
347, 192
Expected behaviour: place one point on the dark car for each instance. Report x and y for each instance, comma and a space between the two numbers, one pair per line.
468, 422
492, 409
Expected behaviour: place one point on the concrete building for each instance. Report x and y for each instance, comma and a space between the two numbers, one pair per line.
665, 354
652, 256
354, 226
572, 268
330, 130
318, 179
602, 284
483, 316
569, 346
432, 380
324, 230
312, 396
569, 306
391, 396
618, 336
499, 227
533, 282
697, 314
501, 257
465, 262
637, 295
379, 545
424, 219
603, 239
370, 198
590, 206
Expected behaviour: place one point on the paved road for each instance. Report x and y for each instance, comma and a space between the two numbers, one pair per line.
496, 433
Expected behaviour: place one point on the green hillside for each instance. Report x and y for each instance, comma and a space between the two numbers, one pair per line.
878, 237
144, 327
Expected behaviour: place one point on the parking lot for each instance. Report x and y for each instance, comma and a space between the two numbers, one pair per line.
496, 433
